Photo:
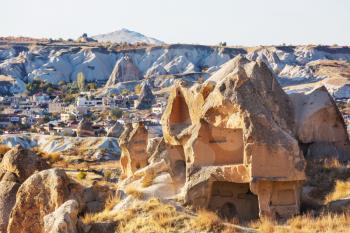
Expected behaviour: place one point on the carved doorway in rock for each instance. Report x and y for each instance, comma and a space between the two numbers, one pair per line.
233, 200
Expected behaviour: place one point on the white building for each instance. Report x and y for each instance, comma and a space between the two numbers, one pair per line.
83, 102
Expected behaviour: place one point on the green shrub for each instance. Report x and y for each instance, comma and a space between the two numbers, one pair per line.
81, 175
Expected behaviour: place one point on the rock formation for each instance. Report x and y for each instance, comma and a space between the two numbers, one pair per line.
146, 98
124, 70
38, 196
17, 165
85, 129
63, 219
133, 144
320, 126
21, 163
240, 153
115, 131
233, 142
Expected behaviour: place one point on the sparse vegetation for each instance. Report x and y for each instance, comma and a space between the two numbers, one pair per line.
147, 179
134, 192
107, 174
324, 175
326, 222
154, 216
112, 201
206, 221
341, 190
81, 175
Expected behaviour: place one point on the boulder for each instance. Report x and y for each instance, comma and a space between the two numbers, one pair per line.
8, 192
146, 98
115, 131
22, 163
40, 195
63, 219
320, 125
124, 70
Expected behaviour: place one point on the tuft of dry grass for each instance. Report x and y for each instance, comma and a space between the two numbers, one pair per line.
154, 216
134, 192
147, 179
341, 190
112, 201
326, 222
205, 221
264, 224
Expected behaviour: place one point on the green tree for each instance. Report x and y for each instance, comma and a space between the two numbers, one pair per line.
116, 113
81, 81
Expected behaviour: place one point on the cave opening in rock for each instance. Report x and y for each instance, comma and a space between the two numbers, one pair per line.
233, 200
180, 116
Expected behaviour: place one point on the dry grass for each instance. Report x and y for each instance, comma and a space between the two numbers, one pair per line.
134, 192
205, 221
341, 190
112, 201
326, 222
153, 216
264, 224
324, 175
147, 179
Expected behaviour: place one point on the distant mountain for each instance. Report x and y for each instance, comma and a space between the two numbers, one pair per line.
125, 35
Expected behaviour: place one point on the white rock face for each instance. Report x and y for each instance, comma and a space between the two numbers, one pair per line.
125, 35
52, 144
55, 63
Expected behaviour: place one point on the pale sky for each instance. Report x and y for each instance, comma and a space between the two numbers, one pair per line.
238, 22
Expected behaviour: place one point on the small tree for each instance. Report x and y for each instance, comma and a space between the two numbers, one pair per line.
116, 113
81, 81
